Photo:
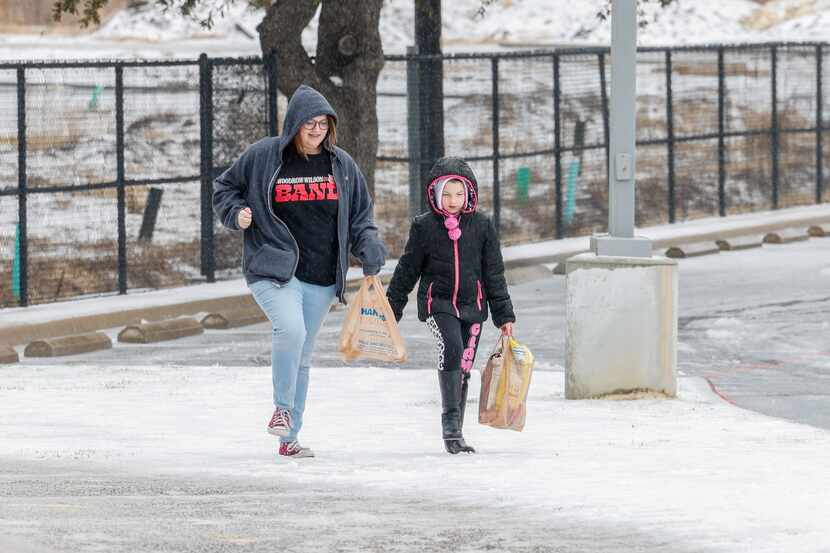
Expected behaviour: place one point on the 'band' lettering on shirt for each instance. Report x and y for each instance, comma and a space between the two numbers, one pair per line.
305, 189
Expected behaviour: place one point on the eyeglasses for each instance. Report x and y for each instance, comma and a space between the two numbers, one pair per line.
311, 123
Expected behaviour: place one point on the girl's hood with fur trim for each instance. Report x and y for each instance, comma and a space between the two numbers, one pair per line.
457, 168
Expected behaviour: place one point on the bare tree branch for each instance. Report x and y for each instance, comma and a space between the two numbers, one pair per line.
91, 9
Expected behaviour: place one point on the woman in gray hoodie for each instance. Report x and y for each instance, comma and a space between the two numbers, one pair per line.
303, 206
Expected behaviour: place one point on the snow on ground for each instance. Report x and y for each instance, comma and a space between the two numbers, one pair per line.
150, 32
702, 475
526, 22
523, 22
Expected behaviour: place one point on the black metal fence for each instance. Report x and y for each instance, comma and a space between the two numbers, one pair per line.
721, 129
113, 164
101, 189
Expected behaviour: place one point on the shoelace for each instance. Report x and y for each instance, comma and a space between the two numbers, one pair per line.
282, 417
293, 446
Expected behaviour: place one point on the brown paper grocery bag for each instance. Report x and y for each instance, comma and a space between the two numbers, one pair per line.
369, 329
504, 384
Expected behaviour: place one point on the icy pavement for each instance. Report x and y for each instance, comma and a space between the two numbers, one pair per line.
177, 459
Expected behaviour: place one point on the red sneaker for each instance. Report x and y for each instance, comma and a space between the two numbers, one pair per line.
294, 449
280, 424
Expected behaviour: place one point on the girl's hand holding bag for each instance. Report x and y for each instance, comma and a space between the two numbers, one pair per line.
369, 329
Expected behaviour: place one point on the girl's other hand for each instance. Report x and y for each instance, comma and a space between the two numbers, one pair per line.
244, 218
507, 329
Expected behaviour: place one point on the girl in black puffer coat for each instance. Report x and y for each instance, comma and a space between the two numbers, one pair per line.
455, 252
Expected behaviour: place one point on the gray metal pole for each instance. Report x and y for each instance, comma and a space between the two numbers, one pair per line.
621, 241
623, 113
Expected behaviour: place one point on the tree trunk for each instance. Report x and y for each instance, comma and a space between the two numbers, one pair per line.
345, 70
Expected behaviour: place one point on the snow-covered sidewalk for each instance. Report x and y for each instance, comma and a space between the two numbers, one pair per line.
691, 474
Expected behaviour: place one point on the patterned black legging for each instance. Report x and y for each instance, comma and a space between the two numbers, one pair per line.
457, 341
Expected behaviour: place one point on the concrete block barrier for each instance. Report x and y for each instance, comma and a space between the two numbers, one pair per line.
8, 355
610, 347
819, 231
786, 236
148, 333
68, 345
233, 319
693, 249
740, 243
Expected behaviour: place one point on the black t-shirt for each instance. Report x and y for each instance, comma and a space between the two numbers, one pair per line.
305, 199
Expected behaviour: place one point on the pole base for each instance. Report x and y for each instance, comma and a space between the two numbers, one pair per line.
622, 326
605, 244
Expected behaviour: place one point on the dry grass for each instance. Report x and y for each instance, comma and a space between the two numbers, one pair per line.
707, 69
94, 270
44, 142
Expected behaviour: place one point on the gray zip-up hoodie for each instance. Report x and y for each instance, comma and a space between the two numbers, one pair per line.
270, 251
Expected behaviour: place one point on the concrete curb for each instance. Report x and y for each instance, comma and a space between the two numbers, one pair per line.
148, 333
89, 323
8, 355
68, 345
25, 333
819, 231
786, 236
703, 236
693, 249
740, 243
233, 319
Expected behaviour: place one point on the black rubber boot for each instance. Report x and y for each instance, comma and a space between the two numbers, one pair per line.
450, 384
465, 379
452, 412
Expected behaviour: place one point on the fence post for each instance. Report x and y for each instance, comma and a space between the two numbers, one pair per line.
272, 75
413, 118
206, 169
119, 178
496, 183
721, 133
670, 133
819, 124
603, 84
775, 136
22, 186
557, 143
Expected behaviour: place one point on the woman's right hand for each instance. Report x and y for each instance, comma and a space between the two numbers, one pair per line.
243, 218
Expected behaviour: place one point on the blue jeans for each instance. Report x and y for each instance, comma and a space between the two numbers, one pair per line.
296, 311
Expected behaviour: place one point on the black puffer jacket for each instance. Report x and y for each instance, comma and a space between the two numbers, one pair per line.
457, 277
